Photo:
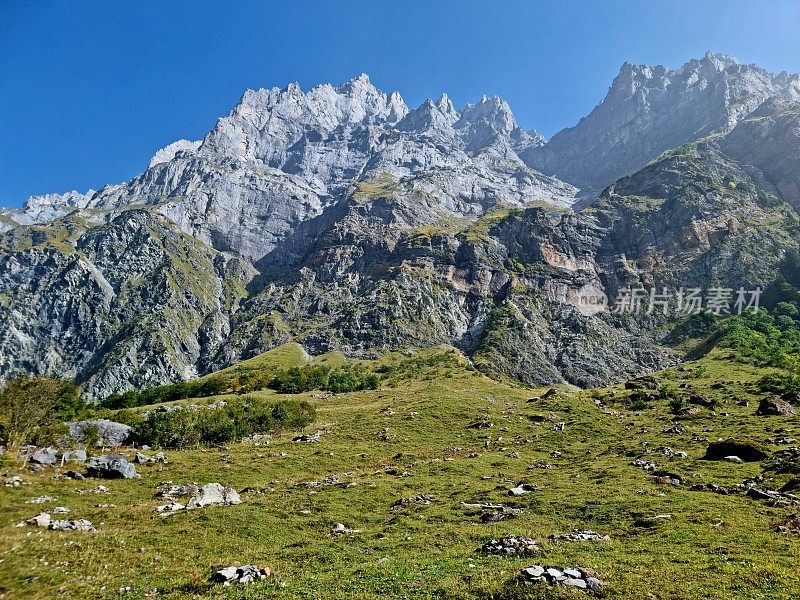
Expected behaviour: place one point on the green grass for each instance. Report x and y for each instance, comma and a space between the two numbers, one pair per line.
715, 547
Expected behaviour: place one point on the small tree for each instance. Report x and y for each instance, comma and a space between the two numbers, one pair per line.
32, 409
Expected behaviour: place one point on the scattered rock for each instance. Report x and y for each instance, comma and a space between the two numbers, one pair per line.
214, 493
44, 520
496, 517
111, 466
40, 520
72, 525
699, 400
676, 429
73, 475
642, 383
13, 481
645, 464
141, 458
650, 522
310, 438
522, 489
511, 545
166, 509
171, 492
667, 478
420, 499
342, 529
241, 574
785, 461
789, 524
580, 535
577, 577
773, 407
748, 451
667, 451
40, 500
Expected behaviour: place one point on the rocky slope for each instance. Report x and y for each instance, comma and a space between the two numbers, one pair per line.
344, 220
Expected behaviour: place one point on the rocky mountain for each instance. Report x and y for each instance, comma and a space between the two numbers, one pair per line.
649, 110
344, 220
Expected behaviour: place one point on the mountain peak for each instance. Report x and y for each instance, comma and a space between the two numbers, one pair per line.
720, 60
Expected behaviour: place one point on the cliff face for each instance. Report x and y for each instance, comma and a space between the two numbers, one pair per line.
343, 220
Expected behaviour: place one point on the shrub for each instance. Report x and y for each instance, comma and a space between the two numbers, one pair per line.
183, 427
291, 414
33, 408
677, 404
347, 378
200, 388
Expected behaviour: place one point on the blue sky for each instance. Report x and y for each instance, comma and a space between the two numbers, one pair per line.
89, 90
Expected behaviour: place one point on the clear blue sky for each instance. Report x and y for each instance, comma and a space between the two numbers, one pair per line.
89, 90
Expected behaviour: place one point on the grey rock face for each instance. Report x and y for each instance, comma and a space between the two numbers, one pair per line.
649, 110
767, 141
109, 433
44, 456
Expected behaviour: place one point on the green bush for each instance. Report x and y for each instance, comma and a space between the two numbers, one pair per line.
200, 388
346, 378
33, 409
183, 427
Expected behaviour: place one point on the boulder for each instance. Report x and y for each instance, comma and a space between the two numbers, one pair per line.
72, 525
243, 575
214, 493
110, 433
74, 456
111, 466
44, 456
522, 489
774, 406
748, 451
642, 383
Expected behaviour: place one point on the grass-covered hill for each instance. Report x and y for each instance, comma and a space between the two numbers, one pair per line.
437, 427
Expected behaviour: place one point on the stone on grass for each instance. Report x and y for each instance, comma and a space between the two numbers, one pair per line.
241, 574
72, 525
342, 529
74, 456
580, 535
577, 577
214, 493
40, 520
40, 500
774, 407
310, 437
109, 432
111, 466
522, 489
748, 451
166, 509
44, 456
511, 545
